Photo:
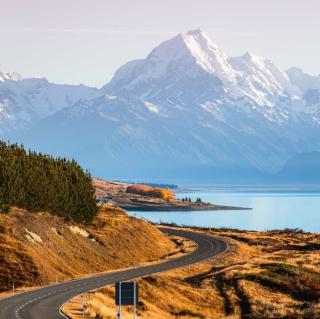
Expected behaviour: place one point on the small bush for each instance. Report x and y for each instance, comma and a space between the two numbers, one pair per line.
142, 306
4, 208
190, 313
299, 282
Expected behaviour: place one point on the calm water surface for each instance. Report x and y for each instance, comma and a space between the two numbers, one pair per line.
271, 209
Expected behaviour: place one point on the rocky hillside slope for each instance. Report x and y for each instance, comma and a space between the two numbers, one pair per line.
37, 249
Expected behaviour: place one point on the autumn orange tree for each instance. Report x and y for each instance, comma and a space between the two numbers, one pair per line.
151, 191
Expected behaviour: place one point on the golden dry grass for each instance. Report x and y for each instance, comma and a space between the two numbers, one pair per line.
37, 249
255, 279
107, 188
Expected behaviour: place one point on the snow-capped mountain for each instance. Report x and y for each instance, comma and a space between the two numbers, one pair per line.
9, 76
193, 56
24, 102
303, 80
260, 80
189, 55
309, 86
187, 109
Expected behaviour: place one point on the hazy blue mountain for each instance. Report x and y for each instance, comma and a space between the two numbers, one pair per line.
302, 168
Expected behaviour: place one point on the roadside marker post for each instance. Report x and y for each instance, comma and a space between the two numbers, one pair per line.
120, 317
134, 300
82, 304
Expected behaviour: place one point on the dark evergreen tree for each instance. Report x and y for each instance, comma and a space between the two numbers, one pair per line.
39, 182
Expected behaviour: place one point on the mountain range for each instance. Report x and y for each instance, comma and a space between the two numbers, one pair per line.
185, 111
25, 102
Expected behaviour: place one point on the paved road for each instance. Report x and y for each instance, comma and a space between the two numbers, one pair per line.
44, 303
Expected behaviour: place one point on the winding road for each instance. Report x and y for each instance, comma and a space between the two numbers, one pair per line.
45, 302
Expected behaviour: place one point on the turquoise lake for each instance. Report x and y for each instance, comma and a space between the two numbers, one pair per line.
272, 208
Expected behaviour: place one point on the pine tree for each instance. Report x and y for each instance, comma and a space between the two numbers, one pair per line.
39, 182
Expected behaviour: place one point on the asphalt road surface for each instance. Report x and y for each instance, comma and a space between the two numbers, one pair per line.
45, 303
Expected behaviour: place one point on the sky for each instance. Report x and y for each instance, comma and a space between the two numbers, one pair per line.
86, 41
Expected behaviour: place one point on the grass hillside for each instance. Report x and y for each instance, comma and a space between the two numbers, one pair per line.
264, 275
37, 248
107, 188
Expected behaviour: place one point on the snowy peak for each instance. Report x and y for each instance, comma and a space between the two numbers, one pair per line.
192, 62
248, 60
261, 80
303, 80
10, 76
208, 55
191, 47
262, 69
196, 45
185, 55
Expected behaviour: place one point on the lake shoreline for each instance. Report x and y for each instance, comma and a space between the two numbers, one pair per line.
114, 193
176, 207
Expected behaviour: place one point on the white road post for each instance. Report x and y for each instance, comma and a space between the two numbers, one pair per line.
82, 304
13, 287
120, 315
134, 299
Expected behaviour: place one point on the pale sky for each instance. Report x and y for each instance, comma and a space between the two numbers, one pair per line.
85, 41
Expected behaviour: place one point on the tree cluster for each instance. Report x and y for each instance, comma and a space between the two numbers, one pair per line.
149, 191
188, 199
38, 182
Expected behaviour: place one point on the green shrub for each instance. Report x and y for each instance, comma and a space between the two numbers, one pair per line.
4, 208
299, 282
189, 313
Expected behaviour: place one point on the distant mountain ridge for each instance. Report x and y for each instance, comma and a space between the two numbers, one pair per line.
13, 76
186, 110
25, 102
301, 168
303, 80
